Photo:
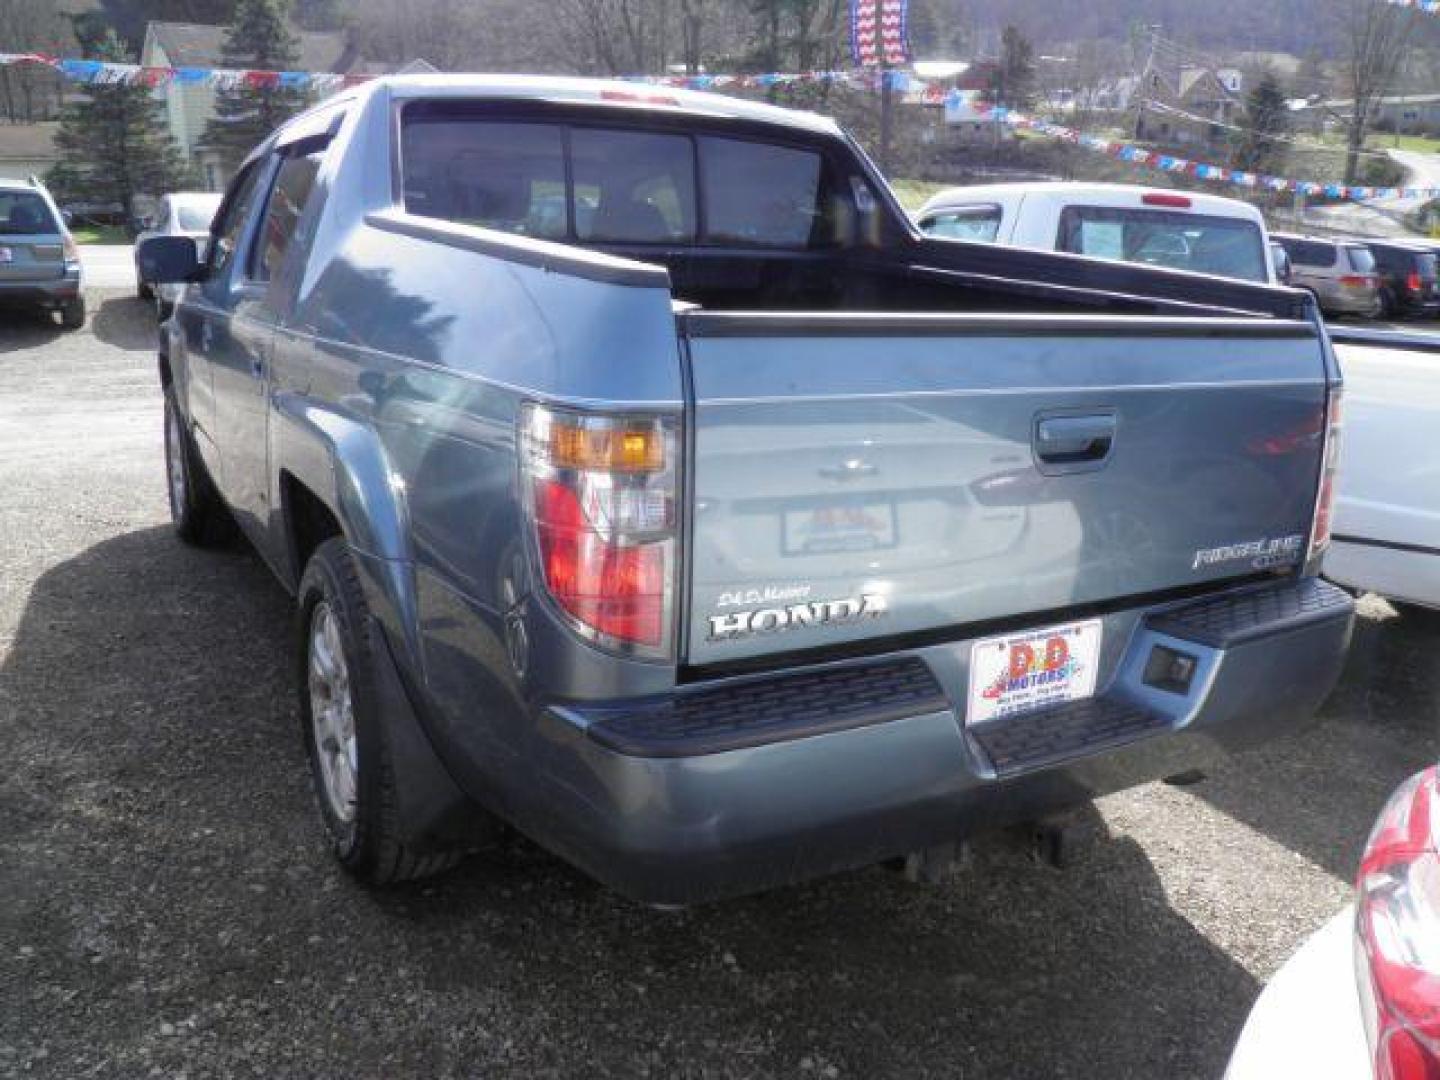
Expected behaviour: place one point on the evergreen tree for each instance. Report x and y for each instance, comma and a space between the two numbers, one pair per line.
1266, 120
1012, 83
114, 143
259, 39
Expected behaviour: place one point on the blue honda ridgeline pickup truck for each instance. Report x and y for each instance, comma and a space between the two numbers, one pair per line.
648, 482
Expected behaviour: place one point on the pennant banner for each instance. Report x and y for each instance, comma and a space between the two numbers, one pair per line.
103, 73
878, 32
888, 46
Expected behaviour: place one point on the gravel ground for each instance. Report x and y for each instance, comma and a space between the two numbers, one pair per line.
166, 907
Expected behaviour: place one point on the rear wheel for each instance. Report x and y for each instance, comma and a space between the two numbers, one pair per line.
344, 730
200, 516
1387, 304
72, 313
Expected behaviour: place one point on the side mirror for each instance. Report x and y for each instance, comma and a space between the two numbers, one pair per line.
168, 260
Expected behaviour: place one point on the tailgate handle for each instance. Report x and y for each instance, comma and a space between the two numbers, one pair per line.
1066, 440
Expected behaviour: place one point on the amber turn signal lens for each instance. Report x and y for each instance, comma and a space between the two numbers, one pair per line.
611, 448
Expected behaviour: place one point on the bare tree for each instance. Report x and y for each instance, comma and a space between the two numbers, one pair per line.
1377, 33
30, 92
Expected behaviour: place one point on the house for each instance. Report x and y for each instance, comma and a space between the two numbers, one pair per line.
1193, 110
190, 106
27, 149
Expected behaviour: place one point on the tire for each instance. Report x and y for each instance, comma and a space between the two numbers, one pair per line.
1387, 304
72, 313
196, 509
346, 740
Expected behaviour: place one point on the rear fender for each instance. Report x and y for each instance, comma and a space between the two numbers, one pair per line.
342, 461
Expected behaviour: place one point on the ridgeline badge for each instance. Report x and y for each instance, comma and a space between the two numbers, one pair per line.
773, 620
1261, 554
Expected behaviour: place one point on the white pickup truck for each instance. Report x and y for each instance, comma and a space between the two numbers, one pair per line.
1181, 230
1387, 512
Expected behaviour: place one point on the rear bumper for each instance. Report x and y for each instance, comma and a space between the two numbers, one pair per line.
757, 782
52, 291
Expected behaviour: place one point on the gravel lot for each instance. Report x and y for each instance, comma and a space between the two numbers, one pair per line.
166, 907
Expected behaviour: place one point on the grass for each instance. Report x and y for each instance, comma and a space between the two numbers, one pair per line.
1424, 145
99, 234
913, 193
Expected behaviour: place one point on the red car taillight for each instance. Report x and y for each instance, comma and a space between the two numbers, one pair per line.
601, 493
1330, 460
1357, 281
1397, 934
1412, 282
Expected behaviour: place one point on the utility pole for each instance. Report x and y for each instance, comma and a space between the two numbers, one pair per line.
1143, 87
887, 116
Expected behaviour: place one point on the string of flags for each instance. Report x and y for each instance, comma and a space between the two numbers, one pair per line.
97, 72
105, 73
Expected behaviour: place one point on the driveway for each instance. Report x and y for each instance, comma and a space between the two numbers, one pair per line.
169, 908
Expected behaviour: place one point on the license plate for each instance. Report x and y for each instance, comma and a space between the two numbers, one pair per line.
1022, 672
6, 255
841, 526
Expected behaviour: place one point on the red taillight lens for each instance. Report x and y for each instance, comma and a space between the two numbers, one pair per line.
1357, 281
1330, 459
1397, 928
1412, 282
601, 494
616, 590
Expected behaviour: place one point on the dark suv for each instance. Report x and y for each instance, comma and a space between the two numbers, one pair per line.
39, 262
1408, 279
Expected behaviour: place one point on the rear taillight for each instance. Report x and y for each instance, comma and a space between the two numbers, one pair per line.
1329, 460
601, 494
1161, 198
1357, 281
1397, 934
1412, 282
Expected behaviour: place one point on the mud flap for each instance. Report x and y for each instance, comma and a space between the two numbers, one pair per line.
435, 815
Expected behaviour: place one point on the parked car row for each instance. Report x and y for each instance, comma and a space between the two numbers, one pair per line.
1370, 278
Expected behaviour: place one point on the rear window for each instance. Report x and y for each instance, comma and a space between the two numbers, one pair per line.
1361, 261
598, 184
964, 223
1425, 263
1314, 253
23, 212
1200, 243
194, 218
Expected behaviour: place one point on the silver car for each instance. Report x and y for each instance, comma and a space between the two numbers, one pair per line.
1341, 273
183, 213
39, 262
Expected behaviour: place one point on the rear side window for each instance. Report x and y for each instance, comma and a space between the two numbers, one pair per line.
293, 184
23, 212
1361, 261
1426, 264
965, 223
1311, 253
591, 183
1200, 243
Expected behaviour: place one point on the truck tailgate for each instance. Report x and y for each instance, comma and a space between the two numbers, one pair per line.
858, 477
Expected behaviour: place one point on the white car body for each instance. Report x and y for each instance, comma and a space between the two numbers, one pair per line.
178, 214
1308, 1020
1386, 535
1030, 215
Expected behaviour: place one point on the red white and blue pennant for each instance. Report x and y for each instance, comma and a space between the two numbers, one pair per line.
878, 32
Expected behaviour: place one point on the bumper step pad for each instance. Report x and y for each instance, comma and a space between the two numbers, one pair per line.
1229, 620
1035, 740
773, 709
